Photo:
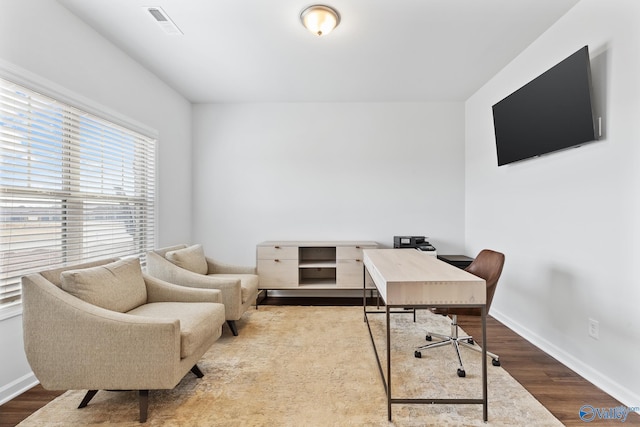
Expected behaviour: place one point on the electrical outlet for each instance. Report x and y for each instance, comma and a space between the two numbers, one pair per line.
594, 328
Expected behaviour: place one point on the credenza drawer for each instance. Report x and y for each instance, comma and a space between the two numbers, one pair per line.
350, 273
351, 252
278, 252
278, 273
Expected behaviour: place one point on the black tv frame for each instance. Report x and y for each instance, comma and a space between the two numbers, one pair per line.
552, 112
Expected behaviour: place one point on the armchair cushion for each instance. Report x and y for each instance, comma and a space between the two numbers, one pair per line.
195, 323
191, 258
117, 286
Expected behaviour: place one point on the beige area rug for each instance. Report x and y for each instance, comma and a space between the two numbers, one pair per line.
314, 366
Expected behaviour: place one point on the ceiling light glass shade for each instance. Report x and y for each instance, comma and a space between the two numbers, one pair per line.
320, 20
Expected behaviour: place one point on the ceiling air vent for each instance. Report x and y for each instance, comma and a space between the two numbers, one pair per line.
161, 17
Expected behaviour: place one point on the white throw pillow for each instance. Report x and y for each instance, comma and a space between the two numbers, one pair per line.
191, 258
117, 286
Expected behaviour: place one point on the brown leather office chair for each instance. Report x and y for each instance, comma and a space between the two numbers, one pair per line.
487, 265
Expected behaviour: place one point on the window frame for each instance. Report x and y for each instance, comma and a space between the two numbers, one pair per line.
63, 95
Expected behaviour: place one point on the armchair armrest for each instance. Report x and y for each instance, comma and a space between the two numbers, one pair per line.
217, 267
161, 291
230, 287
160, 267
95, 348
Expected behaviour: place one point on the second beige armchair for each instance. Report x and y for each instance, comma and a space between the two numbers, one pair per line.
188, 266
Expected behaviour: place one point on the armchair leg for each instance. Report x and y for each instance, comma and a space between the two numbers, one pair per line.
233, 327
87, 398
144, 405
197, 372
144, 400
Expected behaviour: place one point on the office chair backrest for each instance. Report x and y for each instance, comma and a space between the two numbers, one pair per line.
488, 265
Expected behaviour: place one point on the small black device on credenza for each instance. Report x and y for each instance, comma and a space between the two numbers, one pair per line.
413, 242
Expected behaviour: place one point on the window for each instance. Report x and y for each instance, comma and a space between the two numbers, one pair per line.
73, 188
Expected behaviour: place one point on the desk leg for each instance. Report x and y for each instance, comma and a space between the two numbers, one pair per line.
485, 415
388, 361
364, 292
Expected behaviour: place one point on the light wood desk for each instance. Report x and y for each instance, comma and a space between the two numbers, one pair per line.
407, 278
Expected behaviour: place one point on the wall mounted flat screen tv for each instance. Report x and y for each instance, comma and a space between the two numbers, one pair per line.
550, 113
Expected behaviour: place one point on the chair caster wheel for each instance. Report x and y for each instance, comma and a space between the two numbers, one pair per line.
417, 354
470, 341
428, 338
495, 362
461, 373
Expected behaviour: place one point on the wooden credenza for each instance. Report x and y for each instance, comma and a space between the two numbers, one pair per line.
311, 264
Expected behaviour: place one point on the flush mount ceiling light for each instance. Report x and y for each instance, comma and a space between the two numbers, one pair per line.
319, 19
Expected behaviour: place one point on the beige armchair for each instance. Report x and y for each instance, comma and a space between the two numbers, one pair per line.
107, 326
188, 266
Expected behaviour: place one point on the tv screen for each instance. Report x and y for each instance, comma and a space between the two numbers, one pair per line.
550, 113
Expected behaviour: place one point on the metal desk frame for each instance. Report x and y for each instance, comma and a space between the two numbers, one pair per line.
387, 381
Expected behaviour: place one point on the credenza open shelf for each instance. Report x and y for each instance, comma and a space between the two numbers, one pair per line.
311, 264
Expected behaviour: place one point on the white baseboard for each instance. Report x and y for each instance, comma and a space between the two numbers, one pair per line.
17, 387
618, 392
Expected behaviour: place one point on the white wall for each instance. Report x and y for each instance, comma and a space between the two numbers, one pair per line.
43, 38
569, 222
327, 171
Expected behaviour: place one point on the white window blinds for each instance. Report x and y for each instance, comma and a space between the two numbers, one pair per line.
73, 188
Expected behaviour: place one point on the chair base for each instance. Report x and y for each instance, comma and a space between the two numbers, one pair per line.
143, 394
455, 341
144, 402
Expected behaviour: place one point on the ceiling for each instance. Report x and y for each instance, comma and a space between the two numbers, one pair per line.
382, 51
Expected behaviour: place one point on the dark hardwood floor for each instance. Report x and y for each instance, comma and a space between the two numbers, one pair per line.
16, 410
558, 388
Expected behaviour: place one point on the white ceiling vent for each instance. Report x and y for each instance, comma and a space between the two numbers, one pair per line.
161, 17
